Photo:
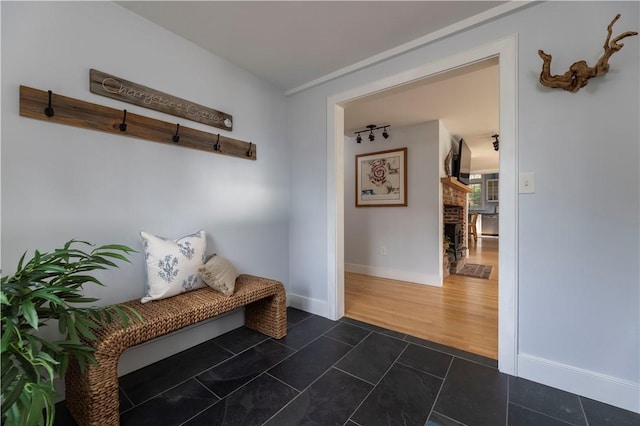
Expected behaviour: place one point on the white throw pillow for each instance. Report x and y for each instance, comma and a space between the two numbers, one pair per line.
172, 265
219, 274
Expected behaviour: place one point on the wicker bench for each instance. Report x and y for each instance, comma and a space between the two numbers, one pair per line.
92, 396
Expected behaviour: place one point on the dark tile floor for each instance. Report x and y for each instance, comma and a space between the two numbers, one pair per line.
341, 373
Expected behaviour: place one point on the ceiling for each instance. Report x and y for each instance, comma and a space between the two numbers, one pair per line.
293, 44
465, 100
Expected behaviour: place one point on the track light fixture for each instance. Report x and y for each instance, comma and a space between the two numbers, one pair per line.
370, 129
496, 142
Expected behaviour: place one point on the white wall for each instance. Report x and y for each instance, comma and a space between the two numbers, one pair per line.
578, 304
410, 234
62, 182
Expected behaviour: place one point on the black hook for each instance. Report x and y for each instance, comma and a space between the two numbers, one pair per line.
216, 146
249, 152
123, 125
48, 111
176, 137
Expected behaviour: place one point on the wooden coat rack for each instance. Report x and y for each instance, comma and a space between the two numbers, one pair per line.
60, 109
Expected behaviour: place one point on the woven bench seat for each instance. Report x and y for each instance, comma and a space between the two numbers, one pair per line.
92, 396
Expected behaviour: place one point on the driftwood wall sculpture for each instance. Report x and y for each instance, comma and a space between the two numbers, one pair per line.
579, 73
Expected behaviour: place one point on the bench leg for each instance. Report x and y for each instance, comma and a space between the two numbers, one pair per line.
269, 315
92, 397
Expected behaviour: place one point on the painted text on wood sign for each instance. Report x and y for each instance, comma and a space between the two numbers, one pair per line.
118, 88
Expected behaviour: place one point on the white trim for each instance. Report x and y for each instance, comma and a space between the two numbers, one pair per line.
610, 390
508, 249
307, 304
394, 274
506, 50
414, 44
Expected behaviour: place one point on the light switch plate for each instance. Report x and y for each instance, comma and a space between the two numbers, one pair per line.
527, 184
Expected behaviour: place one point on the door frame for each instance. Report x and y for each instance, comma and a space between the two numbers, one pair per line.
506, 51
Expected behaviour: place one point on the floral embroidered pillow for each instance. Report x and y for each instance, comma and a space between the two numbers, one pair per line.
172, 265
219, 274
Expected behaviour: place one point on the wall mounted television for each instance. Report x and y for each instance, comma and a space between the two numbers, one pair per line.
462, 169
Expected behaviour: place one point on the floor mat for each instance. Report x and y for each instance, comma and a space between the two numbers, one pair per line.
476, 271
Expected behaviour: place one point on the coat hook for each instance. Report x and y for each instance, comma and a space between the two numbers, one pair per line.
249, 152
48, 111
176, 137
123, 125
216, 146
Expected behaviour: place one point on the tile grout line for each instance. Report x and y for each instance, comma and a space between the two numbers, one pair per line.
447, 417
283, 382
297, 396
435, 401
126, 396
194, 377
223, 398
374, 328
506, 420
449, 353
183, 381
207, 388
353, 375
207, 407
322, 375
546, 415
378, 382
179, 383
242, 351
318, 378
339, 341
584, 413
419, 370
295, 351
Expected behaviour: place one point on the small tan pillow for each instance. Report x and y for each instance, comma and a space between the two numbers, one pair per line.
219, 274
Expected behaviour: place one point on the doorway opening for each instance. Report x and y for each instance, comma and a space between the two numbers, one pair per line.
505, 51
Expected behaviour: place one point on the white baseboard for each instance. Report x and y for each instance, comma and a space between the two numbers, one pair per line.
394, 274
308, 304
610, 390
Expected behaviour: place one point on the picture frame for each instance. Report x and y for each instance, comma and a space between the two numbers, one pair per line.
381, 178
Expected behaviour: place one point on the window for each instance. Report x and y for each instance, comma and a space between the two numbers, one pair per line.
492, 190
475, 197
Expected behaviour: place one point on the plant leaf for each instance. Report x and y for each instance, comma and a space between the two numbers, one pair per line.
10, 399
84, 329
7, 336
46, 294
30, 314
81, 299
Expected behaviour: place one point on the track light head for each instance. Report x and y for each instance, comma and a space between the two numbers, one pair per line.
371, 128
496, 142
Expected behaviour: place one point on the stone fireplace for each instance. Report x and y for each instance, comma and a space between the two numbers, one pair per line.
455, 213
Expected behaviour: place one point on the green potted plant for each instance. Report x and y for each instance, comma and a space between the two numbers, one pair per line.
446, 244
45, 288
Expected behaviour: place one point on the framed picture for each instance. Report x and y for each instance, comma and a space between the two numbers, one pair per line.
381, 178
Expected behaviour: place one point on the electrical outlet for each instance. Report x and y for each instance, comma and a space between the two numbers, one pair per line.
527, 184
383, 250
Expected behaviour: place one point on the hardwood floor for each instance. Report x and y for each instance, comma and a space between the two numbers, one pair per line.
463, 313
